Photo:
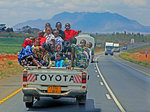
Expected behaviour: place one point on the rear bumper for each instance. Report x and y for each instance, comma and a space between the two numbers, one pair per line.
36, 92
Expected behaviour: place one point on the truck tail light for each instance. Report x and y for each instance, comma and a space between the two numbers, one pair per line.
24, 76
83, 77
24, 85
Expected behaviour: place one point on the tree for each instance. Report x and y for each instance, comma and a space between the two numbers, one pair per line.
9, 30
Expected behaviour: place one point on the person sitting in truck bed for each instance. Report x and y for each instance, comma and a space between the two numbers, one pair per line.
25, 56
91, 51
38, 53
69, 33
27, 41
67, 60
59, 60
36, 44
50, 39
85, 48
58, 49
61, 33
33, 39
47, 25
58, 39
41, 37
80, 58
49, 56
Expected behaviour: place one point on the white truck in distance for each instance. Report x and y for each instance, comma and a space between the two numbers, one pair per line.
116, 47
109, 48
55, 82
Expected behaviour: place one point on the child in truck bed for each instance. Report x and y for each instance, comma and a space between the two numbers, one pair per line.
58, 49
38, 53
58, 39
59, 60
41, 37
67, 60
49, 56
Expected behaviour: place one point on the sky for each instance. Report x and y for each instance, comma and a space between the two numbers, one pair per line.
17, 11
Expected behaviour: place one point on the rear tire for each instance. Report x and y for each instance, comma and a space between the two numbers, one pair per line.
28, 101
29, 104
81, 100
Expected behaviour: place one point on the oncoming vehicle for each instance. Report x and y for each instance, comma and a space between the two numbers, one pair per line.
88, 38
109, 48
116, 47
125, 47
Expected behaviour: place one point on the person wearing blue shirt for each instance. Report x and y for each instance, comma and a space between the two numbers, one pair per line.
59, 60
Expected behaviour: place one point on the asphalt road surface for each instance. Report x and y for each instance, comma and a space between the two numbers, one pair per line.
114, 86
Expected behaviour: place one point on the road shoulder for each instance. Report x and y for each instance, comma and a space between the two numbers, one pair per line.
9, 85
144, 70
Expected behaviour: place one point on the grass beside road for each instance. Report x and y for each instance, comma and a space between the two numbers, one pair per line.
9, 66
138, 56
98, 50
10, 45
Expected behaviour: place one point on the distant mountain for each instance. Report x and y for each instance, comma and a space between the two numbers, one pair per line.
90, 22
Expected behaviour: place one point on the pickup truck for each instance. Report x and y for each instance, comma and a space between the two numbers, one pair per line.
55, 82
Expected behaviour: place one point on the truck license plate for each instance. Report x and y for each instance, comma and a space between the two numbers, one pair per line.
54, 89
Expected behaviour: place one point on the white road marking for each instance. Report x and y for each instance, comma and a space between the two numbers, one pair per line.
95, 70
110, 91
101, 83
97, 75
108, 96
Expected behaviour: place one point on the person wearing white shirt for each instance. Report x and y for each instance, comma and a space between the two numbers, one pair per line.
89, 45
50, 39
58, 39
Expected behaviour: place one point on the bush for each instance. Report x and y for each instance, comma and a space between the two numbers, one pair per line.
139, 62
10, 62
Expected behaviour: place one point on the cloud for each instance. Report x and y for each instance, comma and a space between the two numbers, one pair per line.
22, 10
135, 2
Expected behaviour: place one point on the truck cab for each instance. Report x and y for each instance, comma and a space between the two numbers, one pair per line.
109, 48
116, 47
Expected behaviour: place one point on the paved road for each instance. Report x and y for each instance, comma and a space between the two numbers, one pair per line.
130, 88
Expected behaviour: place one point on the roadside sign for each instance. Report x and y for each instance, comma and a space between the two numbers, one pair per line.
132, 41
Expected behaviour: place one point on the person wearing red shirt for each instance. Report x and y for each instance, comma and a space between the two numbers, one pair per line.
41, 37
69, 33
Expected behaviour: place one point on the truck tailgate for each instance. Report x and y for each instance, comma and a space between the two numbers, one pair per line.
54, 76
